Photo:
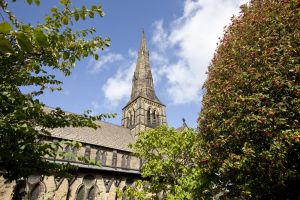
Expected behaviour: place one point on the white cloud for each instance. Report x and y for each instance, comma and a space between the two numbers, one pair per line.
118, 87
181, 55
160, 37
109, 58
192, 39
159, 67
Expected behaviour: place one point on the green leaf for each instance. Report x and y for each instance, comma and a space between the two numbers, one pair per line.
26, 28
94, 7
47, 18
5, 45
37, 2
29, 2
100, 12
91, 14
41, 38
24, 42
82, 14
5, 27
66, 55
96, 56
65, 20
72, 58
76, 15
64, 2
54, 9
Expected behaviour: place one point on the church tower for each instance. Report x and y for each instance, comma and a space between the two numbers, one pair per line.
144, 110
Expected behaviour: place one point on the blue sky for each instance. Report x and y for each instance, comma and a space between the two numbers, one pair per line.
181, 36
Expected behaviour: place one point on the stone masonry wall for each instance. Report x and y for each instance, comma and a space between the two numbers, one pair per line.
81, 187
120, 169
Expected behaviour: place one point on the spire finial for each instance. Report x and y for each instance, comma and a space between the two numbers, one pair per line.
143, 33
143, 42
184, 123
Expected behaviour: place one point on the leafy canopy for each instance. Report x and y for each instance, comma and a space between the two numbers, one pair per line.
28, 56
251, 109
168, 170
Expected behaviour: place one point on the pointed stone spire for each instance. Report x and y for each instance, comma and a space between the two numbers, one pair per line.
142, 83
144, 110
143, 42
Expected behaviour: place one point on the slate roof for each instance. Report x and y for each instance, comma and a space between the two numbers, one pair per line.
109, 135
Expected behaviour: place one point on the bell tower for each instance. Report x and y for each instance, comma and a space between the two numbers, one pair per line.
144, 110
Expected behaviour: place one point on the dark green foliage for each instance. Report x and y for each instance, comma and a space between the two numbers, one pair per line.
28, 56
251, 108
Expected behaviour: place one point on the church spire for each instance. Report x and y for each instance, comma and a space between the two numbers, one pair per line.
144, 110
142, 83
143, 42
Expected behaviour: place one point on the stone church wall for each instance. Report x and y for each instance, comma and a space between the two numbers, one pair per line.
81, 187
91, 182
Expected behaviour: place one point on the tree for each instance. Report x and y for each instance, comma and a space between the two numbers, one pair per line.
28, 56
168, 170
249, 122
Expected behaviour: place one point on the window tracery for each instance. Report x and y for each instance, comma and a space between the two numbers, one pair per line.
114, 159
36, 191
148, 116
81, 193
154, 117
87, 152
126, 161
88, 189
101, 157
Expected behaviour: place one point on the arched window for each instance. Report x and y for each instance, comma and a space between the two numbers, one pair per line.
71, 153
123, 192
154, 117
114, 158
92, 193
157, 118
148, 116
133, 119
88, 188
36, 191
129, 118
87, 152
98, 156
101, 157
68, 151
126, 161
123, 162
81, 193
74, 153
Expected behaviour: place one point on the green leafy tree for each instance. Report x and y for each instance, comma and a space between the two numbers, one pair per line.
249, 122
168, 170
28, 57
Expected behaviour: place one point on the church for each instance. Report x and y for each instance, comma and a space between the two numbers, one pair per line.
107, 145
